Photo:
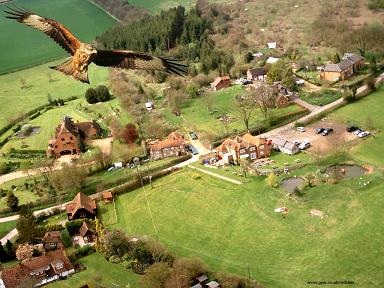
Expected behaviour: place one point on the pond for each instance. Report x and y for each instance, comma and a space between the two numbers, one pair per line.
24, 134
290, 184
345, 171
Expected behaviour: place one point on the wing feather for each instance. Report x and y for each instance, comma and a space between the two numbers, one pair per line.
53, 29
135, 60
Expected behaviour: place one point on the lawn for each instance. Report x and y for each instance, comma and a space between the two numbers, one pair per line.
22, 46
234, 228
14, 100
47, 122
320, 98
111, 275
21, 193
195, 116
5, 227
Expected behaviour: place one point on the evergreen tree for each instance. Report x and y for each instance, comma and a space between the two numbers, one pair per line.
3, 254
91, 95
10, 249
12, 201
25, 225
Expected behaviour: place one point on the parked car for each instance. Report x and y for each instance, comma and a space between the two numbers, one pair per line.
304, 145
327, 131
192, 149
301, 129
193, 135
352, 128
363, 134
296, 142
319, 130
357, 131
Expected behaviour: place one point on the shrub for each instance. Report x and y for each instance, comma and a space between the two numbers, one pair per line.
65, 238
74, 226
102, 93
196, 176
115, 259
91, 95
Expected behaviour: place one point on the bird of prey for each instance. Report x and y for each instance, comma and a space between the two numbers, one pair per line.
84, 54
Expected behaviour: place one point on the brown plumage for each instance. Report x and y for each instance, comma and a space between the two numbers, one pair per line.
84, 54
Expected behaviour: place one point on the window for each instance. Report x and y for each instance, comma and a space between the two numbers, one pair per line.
62, 139
55, 146
52, 244
252, 148
242, 150
261, 153
253, 156
71, 138
261, 147
172, 148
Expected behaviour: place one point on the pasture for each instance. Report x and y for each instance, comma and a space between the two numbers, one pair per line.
234, 228
22, 46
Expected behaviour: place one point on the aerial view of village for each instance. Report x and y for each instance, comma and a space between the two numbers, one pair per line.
191, 143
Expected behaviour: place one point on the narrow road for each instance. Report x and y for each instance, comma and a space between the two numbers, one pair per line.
216, 175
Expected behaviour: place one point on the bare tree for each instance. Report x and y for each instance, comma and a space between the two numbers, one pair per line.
245, 108
264, 97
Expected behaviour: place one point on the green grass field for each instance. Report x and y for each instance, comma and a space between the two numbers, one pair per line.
320, 98
195, 115
234, 227
111, 275
22, 46
6, 227
14, 100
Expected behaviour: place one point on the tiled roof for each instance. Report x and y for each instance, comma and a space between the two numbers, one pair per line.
81, 201
173, 140
260, 71
238, 142
332, 68
19, 275
107, 195
353, 57
85, 228
219, 79
51, 237
345, 64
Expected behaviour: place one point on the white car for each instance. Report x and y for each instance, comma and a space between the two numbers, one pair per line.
304, 145
363, 134
296, 142
301, 129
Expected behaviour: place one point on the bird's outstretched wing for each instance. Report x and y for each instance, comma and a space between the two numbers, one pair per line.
50, 27
135, 60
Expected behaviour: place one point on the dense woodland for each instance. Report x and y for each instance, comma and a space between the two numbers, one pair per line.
185, 35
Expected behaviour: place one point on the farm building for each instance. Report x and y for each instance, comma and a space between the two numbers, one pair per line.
107, 196
87, 231
256, 74
245, 147
221, 82
285, 146
344, 69
173, 145
82, 206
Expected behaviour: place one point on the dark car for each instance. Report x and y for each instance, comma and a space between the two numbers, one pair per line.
192, 149
193, 135
327, 131
319, 130
352, 128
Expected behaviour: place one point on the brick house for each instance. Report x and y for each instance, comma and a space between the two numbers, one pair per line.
173, 145
245, 147
344, 69
221, 82
38, 270
256, 74
281, 101
68, 136
81, 207
52, 241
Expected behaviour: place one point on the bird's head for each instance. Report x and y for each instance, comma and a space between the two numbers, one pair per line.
90, 49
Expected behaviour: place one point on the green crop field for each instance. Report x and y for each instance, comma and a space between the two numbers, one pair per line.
22, 46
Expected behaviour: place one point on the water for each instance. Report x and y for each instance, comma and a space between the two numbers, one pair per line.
290, 184
345, 171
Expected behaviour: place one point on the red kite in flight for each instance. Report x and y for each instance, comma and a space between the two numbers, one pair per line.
84, 54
